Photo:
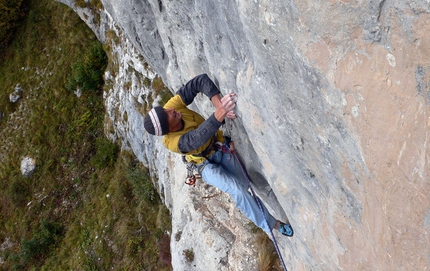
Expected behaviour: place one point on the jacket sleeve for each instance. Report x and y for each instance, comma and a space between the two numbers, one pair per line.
194, 139
201, 83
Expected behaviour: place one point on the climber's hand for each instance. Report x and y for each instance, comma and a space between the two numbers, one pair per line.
228, 102
225, 107
231, 115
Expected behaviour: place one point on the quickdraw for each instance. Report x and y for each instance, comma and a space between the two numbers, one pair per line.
191, 180
191, 177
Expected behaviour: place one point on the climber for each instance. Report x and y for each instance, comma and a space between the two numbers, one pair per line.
186, 132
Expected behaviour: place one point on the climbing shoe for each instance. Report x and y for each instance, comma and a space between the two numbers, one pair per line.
286, 229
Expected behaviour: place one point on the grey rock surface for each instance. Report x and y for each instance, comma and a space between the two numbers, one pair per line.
16, 94
333, 122
28, 166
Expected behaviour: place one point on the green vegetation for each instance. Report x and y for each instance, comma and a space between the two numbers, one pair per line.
11, 12
87, 74
161, 90
188, 254
106, 153
88, 206
268, 259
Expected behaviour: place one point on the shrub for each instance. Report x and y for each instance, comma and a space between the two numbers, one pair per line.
81, 3
42, 241
87, 74
142, 185
268, 259
106, 153
11, 12
19, 192
188, 254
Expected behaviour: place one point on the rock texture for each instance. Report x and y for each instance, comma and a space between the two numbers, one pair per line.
28, 166
16, 94
333, 123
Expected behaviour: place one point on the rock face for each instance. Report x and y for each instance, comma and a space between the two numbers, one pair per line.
333, 122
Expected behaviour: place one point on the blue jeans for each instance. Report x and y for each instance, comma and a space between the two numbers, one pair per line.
223, 171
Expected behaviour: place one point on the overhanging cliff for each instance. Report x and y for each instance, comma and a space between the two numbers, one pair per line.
333, 122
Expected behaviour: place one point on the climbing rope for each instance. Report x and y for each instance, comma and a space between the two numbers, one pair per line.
191, 180
245, 174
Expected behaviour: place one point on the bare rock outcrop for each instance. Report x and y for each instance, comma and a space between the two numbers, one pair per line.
16, 94
333, 124
28, 166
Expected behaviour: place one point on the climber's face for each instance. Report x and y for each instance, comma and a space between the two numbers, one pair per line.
174, 118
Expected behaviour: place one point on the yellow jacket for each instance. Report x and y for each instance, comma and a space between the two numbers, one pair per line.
192, 120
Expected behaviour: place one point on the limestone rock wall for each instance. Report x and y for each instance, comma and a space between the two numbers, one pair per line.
333, 123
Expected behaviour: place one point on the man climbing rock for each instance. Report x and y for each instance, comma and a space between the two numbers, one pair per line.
186, 132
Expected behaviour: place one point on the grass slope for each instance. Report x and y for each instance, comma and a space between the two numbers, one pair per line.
88, 206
